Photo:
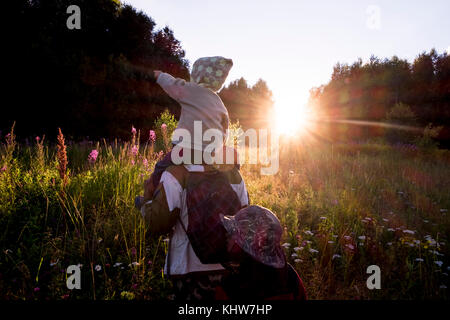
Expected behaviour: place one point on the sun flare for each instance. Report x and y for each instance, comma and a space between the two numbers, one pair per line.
291, 118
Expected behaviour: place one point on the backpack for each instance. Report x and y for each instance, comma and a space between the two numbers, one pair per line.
208, 195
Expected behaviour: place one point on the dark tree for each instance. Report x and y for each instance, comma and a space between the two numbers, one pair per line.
86, 81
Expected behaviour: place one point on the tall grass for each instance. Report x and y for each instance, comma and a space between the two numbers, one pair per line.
343, 207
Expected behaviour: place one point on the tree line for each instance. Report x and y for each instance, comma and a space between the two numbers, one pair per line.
390, 90
89, 82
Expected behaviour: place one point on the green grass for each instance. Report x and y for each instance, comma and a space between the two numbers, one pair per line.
343, 207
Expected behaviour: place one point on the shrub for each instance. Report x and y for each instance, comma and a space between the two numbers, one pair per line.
427, 139
401, 115
163, 140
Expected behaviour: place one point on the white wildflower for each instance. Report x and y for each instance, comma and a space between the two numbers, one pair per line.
98, 267
409, 231
439, 263
313, 251
419, 259
134, 264
53, 263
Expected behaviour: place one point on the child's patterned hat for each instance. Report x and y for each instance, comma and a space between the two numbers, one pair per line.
211, 72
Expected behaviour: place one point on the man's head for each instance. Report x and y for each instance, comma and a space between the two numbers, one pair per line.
211, 72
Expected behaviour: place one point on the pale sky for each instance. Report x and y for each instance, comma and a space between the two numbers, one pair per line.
294, 44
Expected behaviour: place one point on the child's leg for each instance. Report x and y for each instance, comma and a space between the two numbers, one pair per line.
160, 167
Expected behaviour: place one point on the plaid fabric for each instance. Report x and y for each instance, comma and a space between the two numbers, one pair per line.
209, 195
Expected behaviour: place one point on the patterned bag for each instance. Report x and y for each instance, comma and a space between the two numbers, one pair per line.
209, 195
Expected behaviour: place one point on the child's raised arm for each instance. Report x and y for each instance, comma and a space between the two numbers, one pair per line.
176, 88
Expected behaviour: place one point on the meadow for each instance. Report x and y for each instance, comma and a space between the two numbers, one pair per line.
343, 206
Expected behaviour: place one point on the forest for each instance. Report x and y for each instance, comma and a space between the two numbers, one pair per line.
90, 82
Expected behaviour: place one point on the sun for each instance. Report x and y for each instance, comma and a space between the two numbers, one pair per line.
291, 118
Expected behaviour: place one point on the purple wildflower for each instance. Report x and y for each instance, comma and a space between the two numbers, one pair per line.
134, 150
93, 156
152, 136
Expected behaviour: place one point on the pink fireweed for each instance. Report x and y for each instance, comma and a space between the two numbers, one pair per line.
145, 163
163, 127
134, 150
152, 136
93, 156
38, 139
3, 169
133, 130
